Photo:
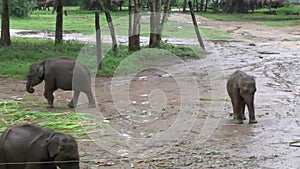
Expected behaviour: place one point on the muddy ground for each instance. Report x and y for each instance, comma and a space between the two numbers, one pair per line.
178, 116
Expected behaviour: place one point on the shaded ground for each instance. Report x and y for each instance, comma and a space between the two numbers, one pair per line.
157, 133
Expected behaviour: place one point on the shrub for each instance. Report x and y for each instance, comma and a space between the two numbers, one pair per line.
19, 8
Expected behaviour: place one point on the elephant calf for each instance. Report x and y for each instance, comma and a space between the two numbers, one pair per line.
58, 74
241, 89
32, 147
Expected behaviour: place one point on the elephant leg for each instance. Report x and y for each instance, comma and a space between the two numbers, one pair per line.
237, 111
243, 110
74, 100
234, 109
50, 98
92, 102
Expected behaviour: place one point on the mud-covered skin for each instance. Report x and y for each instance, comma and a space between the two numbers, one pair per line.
58, 74
241, 89
33, 145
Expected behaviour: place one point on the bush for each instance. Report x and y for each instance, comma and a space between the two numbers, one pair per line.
18, 8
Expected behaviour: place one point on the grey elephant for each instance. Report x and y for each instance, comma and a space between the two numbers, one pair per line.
241, 89
32, 147
58, 74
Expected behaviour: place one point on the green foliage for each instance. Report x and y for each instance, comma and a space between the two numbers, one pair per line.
181, 51
15, 60
18, 8
17, 113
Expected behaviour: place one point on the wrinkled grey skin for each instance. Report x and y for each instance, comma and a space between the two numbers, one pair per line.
30, 143
275, 3
49, 3
241, 89
58, 74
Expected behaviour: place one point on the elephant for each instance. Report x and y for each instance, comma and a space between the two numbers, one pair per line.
49, 3
119, 3
275, 3
58, 74
260, 3
38, 5
32, 147
241, 89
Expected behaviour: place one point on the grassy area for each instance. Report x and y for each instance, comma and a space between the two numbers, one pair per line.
15, 60
17, 113
283, 17
81, 21
76, 21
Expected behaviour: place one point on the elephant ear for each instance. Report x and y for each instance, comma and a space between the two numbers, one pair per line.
54, 146
40, 71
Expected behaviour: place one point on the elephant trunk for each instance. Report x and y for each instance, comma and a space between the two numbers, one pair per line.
29, 88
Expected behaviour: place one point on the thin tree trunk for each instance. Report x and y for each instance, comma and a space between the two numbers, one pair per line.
184, 6
59, 23
166, 8
130, 25
153, 23
206, 5
201, 5
196, 26
110, 25
157, 24
5, 34
98, 40
135, 39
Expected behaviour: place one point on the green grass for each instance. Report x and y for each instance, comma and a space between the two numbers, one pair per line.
80, 21
76, 21
17, 113
258, 17
15, 60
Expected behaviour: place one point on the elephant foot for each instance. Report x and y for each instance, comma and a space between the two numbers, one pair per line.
91, 105
252, 121
71, 105
238, 121
244, 118
50, 106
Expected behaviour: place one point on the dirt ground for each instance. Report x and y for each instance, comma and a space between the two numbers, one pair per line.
178, 115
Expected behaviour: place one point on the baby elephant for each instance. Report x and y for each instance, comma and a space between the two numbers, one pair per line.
58, 74
241, 89
32, 147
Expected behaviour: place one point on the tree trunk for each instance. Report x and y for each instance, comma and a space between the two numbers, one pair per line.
201, 5
130, 33
166, 8
184, 6
196, 26
154, 22
206, 5
98, 40
59, 23
110, 25
135, 37
5, 35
